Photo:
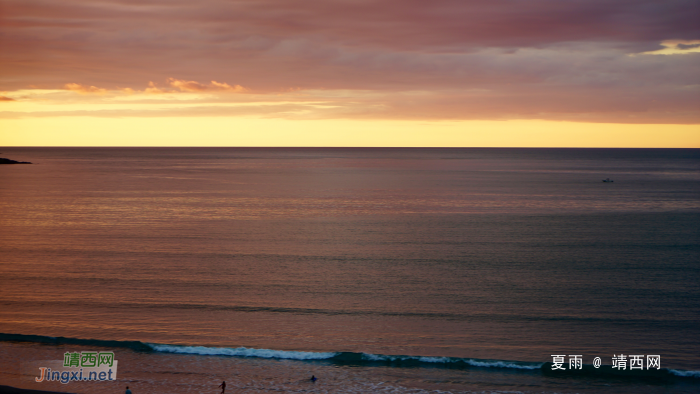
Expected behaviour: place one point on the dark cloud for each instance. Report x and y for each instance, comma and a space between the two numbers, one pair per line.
688, 46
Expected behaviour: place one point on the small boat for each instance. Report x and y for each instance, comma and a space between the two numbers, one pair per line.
606, 180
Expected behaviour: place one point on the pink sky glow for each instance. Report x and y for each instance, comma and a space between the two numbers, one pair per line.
572, 60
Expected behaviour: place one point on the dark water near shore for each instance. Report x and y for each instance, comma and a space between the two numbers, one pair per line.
479, 263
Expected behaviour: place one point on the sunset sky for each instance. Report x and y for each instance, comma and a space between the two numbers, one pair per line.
589, 73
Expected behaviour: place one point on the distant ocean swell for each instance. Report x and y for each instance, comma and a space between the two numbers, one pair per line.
678, 322
350, 358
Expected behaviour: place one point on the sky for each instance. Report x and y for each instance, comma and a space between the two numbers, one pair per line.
540, 73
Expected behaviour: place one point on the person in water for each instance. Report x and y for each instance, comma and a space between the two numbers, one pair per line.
223, 386
313, 378
127, 390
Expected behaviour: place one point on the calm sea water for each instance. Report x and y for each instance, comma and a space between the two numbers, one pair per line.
475, 265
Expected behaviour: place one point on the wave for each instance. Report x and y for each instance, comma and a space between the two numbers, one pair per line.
345, 357
241, 352
450, 362
133, 345
685, 374
606, 371
362, 359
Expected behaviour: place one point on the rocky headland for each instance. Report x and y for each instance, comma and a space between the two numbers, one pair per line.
8, 161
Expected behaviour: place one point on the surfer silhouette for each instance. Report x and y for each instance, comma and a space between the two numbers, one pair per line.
223, 386
313, 378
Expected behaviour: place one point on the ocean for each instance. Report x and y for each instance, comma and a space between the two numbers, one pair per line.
388, 270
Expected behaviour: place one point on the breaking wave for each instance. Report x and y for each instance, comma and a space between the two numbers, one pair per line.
361, 359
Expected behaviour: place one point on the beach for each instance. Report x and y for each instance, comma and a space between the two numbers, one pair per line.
14, 390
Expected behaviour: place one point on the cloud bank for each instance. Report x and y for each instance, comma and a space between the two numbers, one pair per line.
592, 60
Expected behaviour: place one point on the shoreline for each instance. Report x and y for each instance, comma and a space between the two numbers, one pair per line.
15, 390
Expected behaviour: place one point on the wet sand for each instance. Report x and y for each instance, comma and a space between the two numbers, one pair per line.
13, 390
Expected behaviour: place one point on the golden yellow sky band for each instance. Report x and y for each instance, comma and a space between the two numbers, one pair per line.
255, 131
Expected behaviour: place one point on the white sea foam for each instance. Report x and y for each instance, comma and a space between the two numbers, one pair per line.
685, 374
434, 359
242, 352
446, 360
501, 364
297, 355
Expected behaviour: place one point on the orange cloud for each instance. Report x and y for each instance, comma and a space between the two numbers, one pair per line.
3, 98
194, 86
76, 87
227, 87
181, 86
186, 86
152, 89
